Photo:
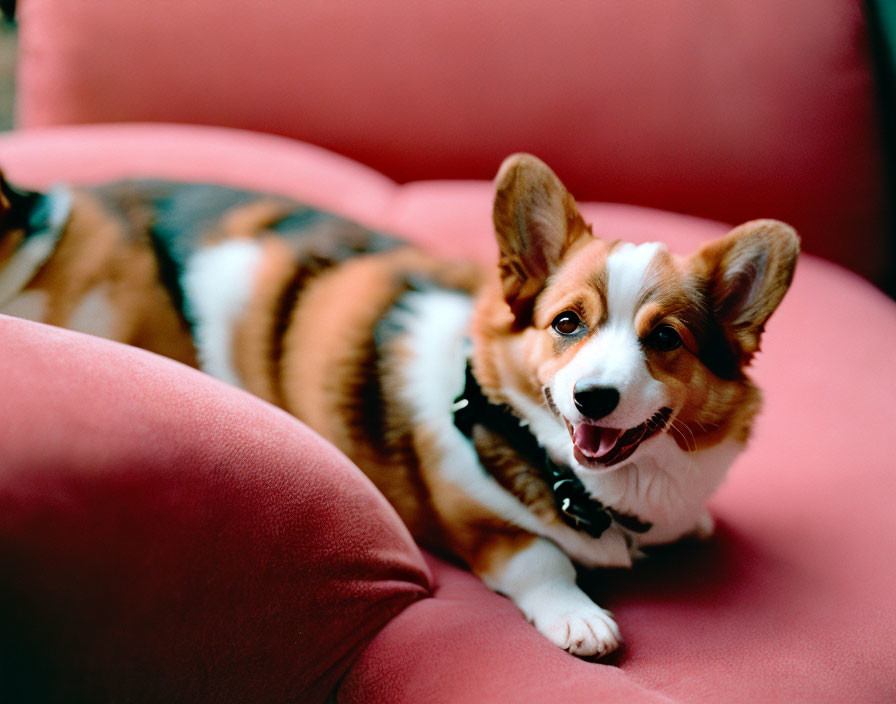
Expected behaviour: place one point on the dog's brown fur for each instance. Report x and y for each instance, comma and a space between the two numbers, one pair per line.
308, 338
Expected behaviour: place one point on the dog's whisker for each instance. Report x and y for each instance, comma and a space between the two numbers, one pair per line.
676, 426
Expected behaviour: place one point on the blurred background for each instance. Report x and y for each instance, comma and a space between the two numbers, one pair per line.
724, 110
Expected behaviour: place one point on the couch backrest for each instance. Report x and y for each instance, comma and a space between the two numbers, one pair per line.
731, 109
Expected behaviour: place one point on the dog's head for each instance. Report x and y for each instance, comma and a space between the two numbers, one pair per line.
603, 345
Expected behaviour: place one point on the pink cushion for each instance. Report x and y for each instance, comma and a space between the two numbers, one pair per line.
450, 217
205, 154
792, 601
164, 537
473, 646
732, 109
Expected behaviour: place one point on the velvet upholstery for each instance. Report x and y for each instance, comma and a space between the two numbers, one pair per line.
790, 602
732, 109
164, 537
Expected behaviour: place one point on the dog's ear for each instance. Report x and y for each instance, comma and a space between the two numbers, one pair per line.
536, 223
745, 275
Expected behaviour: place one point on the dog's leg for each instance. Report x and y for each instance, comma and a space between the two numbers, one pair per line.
541, 581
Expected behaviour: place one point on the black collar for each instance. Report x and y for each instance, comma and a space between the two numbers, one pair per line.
574, 504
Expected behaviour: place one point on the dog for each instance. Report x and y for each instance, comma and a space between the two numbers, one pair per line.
571, 405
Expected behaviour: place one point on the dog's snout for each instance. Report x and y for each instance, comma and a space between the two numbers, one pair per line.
594, 401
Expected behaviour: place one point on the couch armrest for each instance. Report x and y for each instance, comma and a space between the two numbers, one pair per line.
164, 537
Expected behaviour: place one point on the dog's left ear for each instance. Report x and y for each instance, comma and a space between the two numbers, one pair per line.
745, 275
536, 223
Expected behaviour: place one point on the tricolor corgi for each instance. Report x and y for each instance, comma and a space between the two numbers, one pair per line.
578, 401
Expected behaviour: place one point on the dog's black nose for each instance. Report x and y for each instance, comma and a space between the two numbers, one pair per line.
594, 401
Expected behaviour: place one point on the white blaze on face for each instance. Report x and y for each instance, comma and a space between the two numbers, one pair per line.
613, 356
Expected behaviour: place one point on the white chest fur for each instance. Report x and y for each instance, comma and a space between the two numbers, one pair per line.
663, 485
667, 487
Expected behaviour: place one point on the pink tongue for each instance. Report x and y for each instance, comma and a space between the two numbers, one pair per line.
595, 441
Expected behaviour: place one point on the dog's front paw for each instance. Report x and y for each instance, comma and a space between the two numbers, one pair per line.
541, 580
588, 631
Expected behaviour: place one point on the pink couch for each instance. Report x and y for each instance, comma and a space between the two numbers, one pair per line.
164, 537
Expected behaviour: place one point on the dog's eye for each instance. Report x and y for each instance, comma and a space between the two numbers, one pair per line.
664, 338
566, 323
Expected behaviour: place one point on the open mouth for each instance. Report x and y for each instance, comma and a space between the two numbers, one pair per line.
598, 446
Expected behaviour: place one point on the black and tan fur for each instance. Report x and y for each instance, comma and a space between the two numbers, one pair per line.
325, 335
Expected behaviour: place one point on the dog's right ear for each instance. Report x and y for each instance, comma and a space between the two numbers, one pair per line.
536, 223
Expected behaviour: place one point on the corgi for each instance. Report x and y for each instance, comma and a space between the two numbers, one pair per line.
576, 402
